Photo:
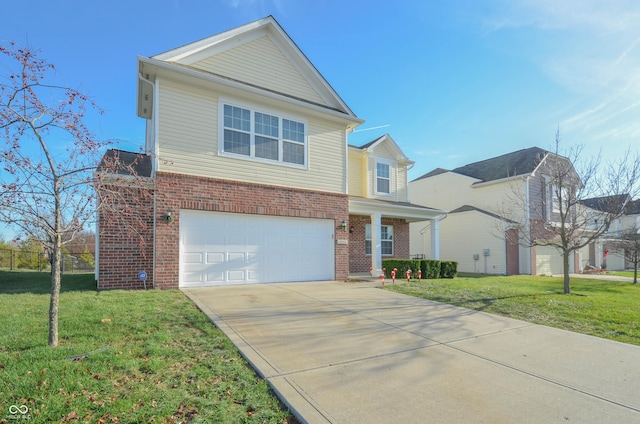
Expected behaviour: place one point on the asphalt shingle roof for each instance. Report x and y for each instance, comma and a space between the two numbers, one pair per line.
521, 162
127, 163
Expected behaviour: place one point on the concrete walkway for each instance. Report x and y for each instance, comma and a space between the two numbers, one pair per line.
350, 353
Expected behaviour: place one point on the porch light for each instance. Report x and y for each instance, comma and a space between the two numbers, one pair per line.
343, 225
168, 218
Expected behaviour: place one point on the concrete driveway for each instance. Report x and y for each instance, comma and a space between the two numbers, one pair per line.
350, 353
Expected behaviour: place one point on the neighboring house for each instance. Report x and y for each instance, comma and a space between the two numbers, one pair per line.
488, 203
606, 252
253, 178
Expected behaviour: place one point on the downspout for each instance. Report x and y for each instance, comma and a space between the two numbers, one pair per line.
96, 271
151, 133
527, 214
396, 182
346, 157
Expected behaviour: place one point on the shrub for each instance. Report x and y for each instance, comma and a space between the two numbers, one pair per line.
430, 268
448, 269
402, 265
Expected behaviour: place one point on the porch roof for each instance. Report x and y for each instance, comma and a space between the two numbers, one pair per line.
389, 209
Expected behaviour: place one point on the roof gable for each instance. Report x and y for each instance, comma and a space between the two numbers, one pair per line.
388, 144
432, 173
283, 68
469, 208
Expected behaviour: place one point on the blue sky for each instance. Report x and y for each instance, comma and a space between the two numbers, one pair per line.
453, 81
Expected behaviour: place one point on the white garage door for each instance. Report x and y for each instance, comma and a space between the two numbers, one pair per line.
226, 248
549, 261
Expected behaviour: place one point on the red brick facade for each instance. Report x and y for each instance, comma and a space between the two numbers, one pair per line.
175, 192
361, 262
126, 239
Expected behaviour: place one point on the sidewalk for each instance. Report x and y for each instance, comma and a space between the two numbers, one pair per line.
344, 352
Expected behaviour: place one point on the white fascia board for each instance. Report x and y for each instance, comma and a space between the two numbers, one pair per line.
186, 53
400, 156
409, 213
196, 75
268, 26
501, 180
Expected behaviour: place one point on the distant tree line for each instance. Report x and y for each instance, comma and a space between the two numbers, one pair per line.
78, 254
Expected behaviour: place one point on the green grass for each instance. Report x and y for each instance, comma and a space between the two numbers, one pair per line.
624, 273
124, 356
607, 309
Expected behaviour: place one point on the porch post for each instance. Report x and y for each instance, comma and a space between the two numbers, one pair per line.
376, 242
435, 239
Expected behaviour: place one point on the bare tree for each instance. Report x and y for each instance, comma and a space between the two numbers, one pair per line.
48, 159
554, 212
628, 240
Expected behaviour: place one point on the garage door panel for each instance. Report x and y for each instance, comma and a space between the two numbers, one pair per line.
192, 258
223, 248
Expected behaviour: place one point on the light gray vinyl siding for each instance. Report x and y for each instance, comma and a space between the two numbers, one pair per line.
537, 192
261, 63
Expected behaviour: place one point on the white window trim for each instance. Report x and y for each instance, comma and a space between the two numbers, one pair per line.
392, 165
369, 240
269, 111
553, 206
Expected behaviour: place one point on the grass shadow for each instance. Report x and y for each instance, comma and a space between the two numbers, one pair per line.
20, 282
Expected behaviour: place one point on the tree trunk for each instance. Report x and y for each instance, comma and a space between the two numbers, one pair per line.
55, 292
565, 267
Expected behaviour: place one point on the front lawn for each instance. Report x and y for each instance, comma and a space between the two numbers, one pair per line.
124, 357
608, 309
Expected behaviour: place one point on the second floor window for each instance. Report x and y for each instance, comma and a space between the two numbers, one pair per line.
383, 179
263, 136
558, 201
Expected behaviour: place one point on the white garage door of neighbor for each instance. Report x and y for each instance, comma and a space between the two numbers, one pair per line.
226, 248
549, 261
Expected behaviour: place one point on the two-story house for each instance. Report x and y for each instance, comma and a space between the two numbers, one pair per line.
491, 204
611, 250
253, 180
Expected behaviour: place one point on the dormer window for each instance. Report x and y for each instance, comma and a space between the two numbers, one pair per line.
383, 178
262, 136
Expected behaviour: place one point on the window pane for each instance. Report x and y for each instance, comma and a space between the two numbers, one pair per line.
292, 130
382, 170
367, 247
237, 118
266, 148
387, 247
383, 186
293, 153
266, 125
382, 178
236, 142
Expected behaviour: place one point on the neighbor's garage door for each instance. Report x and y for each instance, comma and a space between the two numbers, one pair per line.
226, 248
549, 261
